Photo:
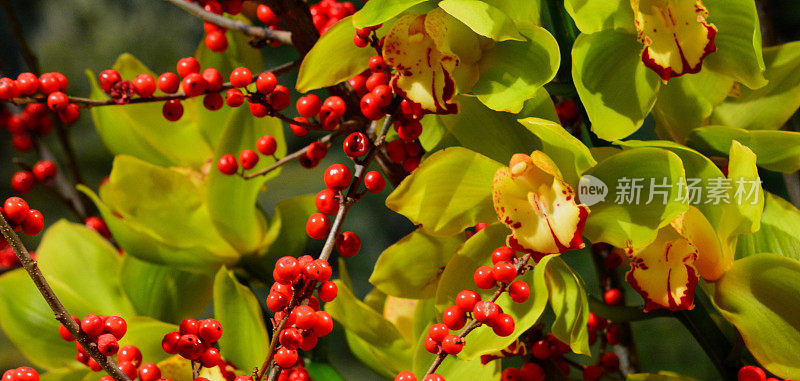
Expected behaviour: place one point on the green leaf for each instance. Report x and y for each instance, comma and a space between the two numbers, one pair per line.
483, 19
286, 235
540, 106
245, 341
411, 267
569, 302
433, 131
232, 199
65, 374
141, 332
571, 156
318, 69
775, 150
738, 42
141, 130
372, 358
474, 253
616, 88
625, 221
171, 295
759, 296
381, 11
594, 16
375, 336
771, 106
163, 220
524, 13
494, 134
453, 368
448, 193
322, 371
686, 102
779, 233
512, 72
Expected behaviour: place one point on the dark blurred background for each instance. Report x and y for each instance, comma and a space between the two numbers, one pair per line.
76, 35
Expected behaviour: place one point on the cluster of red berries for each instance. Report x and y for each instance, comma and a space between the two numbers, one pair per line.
21, 217
105, 331
215, 38
34, 120
305, 322
753, 373
20, 374
409, 154
8, 259
268, 97
265, 145
194, 340
265, 14
50, 87
43, 171
328, 12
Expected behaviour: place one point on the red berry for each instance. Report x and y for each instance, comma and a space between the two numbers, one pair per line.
188, 65
33, 223
27, 83
502, 324
108, 78
188, 327
131, 354
23, 181
277, 301
257, 109
374, 182
613, 297
216, 41
227, 164
57, 101
316, 151
287, 269
267, 145
248, 158
168, 82
510, 374
751, 373
377, 79
438, 332
504, 272
62, 80
309, 105
210, 358
613, 260
405, 376
64, 332
285, 358
348, 244
377, 64
485, 311
466, 299
396, 151
592, 373
371, 107
454, 318
384, 95
324, 268
431, 345
145, 85
107, 344
44, 170
361, 42
280, 98
327, 291
541, 350
116, 326
172, 110
241, 77
409, 130
433, 377
170, 342
190, 347
16, 209
209, 330
323, 325
337, 176
48, 82
213, 78
69, 114
303, 316
610, 362
359, 85
519, 291
452, 344
193, 84
149, 372
234, 97
266, 15
335, 105
318, 226
309, 342
212, 101
532, 371
484, 277
297, 129
503, 254
356, 145
613, 334
92, 325
327, 202
8, 89
291, 338
596, 322
266, 82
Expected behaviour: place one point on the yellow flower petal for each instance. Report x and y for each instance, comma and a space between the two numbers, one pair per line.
711, 263
675, 35
538, 206
664, 273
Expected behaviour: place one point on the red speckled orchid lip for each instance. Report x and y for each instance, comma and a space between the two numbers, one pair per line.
675, 35
533, 200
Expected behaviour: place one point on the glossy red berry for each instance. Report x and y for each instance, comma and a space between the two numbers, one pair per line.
452, 344
466, 299
169, 83
194, 84
384, 95
405, 376
304, 317
216, 41
454, 318
327, 291
145, 85
212, 101
172, 110
318, 226
503, 254
377, 64
213, 78
297, 129
532, 371
519, 291
257, 109
210, 358
267, 145
107, 344
15, 209
69, 114
287, 269
188, 65
280, 98
437, 332
277, 301
8, 89
541, 350
33, 223
485, 311
108, 78
613, 260
596, 322
504, 272
484, 277
170, 342
371, 107
234, 97
248, 158
348, 244
130, 354
149, 372
44, 170
209, 330
433, 377
325, 271
64, 332
377, 79
227, 164
356, 145
409, 130
511, 374
337, 176
323, 324
309, 105
23, 181
57, 101
188, 327
431, 345
49, 82
396, 151
613, 297
241, 77
266, 15
291, 338
359, 85
116, 326
285, 358
327, 202
266, 82
374, 182
502, 324
751, 373
27, 83
190, 347
92, 325
592, 373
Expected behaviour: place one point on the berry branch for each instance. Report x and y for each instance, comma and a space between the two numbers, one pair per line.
281, 36
55, 304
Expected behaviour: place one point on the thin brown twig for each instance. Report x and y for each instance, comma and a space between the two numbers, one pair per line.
55, 304
281, 36
16, 30
62, 186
